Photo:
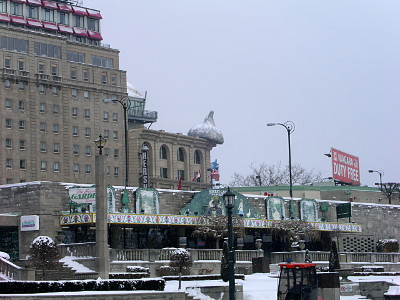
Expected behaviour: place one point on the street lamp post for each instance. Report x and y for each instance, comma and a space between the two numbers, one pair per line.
380, 176
289, 126
102, 249
125, 102
229, 201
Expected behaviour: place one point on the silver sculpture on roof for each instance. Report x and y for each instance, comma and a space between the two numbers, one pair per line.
208, 130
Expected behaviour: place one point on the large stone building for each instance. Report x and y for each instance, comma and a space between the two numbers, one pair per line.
172, 157
55, 75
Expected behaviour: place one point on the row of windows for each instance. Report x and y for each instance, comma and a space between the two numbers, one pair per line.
56, 129
76, 168
48, 50
180, 155
49, 15
13, 44
43, 147
8, 64
22, 85
56, 109
180, 175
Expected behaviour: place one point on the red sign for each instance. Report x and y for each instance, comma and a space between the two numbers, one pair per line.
345, 167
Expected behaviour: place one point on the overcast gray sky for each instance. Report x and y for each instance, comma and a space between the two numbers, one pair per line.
331, 67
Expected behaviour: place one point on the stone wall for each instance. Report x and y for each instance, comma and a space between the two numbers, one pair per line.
48, 200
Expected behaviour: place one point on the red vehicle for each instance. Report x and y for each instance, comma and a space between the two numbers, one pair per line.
298, 281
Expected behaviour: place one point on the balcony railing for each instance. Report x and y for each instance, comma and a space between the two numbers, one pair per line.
146, 116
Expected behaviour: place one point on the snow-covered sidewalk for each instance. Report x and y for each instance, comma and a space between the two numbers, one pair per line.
264, 286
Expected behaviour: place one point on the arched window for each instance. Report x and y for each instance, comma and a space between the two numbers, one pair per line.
197, 157
163, 152
180, 154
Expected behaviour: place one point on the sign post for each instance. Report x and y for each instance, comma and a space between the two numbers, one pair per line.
343, 211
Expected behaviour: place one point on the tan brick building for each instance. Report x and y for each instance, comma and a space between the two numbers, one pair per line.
55, 74
171, 157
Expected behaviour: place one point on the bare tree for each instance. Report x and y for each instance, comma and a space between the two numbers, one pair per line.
390, 190
270, 175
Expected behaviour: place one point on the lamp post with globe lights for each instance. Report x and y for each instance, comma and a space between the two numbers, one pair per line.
229, 202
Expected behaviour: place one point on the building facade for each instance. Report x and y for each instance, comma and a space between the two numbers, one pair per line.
173, 159
55, 75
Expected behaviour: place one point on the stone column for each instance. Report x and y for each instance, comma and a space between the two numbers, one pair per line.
102, 249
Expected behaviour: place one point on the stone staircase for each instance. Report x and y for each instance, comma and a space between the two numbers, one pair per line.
60, 272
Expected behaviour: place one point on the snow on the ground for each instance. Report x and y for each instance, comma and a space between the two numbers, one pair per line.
76, 266
391, 279
258, 286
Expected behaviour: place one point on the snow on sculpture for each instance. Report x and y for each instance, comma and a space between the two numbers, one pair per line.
208, 130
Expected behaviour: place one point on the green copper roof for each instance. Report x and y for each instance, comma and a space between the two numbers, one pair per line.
210, 202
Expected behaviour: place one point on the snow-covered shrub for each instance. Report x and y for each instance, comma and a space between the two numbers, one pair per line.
387, 245
4, 255
44, 253
181, 259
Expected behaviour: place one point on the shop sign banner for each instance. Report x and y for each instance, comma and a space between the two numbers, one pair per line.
345, 167
29, 223
83, 195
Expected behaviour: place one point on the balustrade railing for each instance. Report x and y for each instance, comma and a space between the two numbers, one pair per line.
15, 272
89, 250
206, 254
78, 249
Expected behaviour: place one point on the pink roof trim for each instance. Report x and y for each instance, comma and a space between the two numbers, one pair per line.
65, 29
80, 10
18, 20
80, 31
65, 7
34, 23
35, 2
95, 35
94, 13
5, 18
49, 4
50, 26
